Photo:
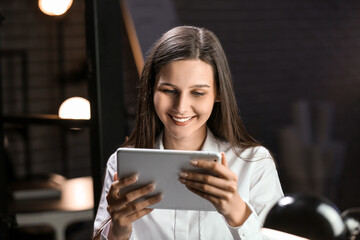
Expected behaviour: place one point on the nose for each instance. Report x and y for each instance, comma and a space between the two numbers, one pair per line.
182, 104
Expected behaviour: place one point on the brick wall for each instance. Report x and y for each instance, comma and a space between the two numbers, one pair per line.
27, 29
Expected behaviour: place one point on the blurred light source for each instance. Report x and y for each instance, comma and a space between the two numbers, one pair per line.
278, 235
351, 219
54, 7
75, 108
304, 216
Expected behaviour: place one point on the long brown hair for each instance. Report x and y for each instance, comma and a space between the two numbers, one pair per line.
181, 43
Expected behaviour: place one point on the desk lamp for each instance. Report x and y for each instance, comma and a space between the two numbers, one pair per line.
304, 217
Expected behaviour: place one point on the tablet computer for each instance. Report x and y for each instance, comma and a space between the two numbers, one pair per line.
163, 167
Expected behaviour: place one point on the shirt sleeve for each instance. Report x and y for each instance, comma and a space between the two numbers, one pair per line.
265, 191
250, 230
105, 232
265, 187
102, 215
102, 220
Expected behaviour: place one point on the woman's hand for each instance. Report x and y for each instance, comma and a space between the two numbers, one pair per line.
220, 189
122, 208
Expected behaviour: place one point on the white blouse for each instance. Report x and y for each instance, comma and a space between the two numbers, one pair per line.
258, 186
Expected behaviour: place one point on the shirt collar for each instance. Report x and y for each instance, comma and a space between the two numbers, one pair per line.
210, 143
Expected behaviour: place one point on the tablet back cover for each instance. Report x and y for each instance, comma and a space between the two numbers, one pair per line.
163, 168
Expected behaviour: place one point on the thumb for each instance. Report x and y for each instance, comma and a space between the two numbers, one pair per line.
223, 160
115, 176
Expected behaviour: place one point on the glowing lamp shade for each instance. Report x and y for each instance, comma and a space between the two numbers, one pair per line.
75, 108
54, 7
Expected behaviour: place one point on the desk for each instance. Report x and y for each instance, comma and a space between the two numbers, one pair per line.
76, 204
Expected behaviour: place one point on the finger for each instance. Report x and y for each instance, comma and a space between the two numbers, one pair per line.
214, 200
127, 180
133, 208
215, 168
135, 216
115, 176
223, 160
129, 197
115, 187
209, 189
223, 184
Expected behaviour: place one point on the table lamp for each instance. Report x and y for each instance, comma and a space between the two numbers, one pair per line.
75, 108
300, 216
54, 8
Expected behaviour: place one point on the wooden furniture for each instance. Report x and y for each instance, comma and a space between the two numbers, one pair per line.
107, 125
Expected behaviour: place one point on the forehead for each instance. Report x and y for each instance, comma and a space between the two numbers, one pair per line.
185, 72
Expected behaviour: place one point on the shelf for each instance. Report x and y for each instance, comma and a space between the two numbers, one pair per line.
46, 119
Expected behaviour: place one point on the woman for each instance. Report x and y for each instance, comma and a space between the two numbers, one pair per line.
186, 101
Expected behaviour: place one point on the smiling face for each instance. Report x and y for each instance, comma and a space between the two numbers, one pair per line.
184, 96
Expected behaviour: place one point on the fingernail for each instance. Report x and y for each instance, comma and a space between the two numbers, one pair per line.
156, 198
150, 187
193, 162
133, 178
182, 180
183, 174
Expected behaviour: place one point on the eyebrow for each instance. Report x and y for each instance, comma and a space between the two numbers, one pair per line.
193, 86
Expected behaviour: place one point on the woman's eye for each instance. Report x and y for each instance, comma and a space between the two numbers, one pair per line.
198, 93
171, 91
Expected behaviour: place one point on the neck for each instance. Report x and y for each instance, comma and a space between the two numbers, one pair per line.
191, 143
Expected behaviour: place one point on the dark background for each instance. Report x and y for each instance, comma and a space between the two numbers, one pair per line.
279, 52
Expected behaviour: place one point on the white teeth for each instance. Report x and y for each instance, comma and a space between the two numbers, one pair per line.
181, 119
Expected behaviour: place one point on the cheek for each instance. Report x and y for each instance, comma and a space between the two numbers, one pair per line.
156, 101
160, 103
205, 107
